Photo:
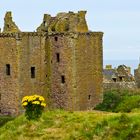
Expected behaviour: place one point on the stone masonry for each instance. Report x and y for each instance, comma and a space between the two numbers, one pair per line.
137, 76
61, 61
118, 78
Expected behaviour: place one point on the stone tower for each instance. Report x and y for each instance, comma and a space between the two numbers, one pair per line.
137, 76
62, 61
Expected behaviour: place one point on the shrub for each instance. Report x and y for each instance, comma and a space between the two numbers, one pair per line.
120, 101
34, 106
128, 104
110, 100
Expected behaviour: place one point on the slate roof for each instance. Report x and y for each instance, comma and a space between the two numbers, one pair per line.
109, 73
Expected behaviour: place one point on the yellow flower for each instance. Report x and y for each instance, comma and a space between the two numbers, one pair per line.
41, 98
43, 104
36, 102
25, 104
30, 98
25, 99
34, 99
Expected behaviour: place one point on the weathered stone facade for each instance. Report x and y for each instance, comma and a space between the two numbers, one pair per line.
137, 76
118, 78
61, 61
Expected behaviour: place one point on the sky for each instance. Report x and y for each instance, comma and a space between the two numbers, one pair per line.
118, 19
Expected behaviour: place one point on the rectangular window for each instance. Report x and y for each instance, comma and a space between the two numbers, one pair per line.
63, 79
56, 38
121, 78
89, 97
8, 72
32, 72
58, 57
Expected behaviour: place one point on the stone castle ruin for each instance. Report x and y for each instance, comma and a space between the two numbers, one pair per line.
118, 78
137, 76
61, 61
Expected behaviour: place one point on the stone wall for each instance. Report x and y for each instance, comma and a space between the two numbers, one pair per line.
81, 65
9, 83
88, 70
65, 66
118, 78
119, 85
22, 51
9, 24
137, 76
64, 22
31, 54
60, 66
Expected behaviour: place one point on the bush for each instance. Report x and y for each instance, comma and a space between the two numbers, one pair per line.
34, 106
128, 104
110, 101
120, 101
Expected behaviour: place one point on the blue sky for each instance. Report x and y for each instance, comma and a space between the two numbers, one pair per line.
118, 19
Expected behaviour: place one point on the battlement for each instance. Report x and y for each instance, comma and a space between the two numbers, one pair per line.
15, 34
9, 24
64, 22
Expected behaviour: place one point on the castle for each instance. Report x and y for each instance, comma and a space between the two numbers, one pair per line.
118, 78
62, 61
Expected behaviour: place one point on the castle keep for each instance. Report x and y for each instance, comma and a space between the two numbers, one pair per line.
61, 61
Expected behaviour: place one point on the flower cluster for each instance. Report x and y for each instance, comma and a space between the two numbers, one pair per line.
34, 106
34, 100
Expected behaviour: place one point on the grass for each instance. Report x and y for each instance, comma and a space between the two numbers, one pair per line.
64, 125
5, 119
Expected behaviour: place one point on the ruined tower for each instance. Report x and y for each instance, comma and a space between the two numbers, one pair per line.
137, 76
62, 61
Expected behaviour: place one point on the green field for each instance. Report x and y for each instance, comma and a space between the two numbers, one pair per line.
63, 125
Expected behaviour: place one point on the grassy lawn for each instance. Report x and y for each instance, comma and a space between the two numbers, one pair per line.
4, 120
64, 125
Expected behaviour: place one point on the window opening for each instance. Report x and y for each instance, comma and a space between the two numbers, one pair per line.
114, 79
89, 97
32, 72
44, 22
121, 78
58, 57
56, 38
8, 71
63, 79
